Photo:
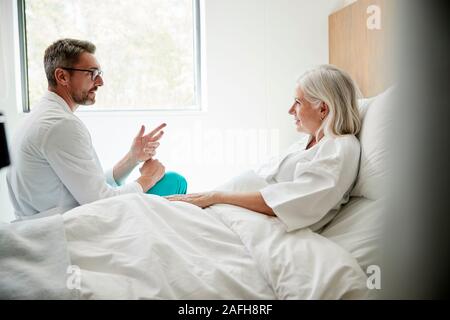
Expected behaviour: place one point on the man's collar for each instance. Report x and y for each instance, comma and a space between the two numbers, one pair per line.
50, 95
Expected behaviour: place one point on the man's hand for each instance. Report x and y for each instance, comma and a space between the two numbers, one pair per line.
151, 172
152, 168
202, 200
144, 147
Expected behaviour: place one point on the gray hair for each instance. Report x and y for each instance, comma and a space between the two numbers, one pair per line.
64, 53
335, 87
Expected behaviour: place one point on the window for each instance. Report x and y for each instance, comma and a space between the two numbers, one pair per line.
148, 50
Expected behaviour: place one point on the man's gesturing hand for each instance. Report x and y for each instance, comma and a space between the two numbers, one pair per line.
144, 147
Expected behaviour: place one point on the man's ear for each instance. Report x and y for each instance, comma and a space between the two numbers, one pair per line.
62, 76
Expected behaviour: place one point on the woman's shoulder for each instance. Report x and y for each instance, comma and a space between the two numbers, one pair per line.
348, 140
344, 145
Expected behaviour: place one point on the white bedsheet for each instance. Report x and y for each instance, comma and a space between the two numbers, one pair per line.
143, 246
34, 260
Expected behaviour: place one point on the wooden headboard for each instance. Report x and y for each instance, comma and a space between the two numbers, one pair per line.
359, 35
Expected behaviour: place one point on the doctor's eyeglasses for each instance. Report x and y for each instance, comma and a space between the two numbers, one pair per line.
94, 72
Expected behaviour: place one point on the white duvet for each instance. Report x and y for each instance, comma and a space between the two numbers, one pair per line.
143, 246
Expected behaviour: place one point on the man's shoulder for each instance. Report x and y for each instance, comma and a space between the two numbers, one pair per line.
48, 114
66, 127
48, 119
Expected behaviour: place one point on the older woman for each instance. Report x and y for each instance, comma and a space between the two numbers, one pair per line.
308, 183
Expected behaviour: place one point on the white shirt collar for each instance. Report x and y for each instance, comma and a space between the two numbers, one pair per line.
49, 95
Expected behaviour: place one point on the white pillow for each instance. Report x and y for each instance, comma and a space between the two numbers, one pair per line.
377, 121
364, 105
358, 229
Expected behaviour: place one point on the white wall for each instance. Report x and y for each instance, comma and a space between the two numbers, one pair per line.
254, 50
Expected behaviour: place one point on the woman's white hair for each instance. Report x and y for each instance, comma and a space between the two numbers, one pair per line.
328, 84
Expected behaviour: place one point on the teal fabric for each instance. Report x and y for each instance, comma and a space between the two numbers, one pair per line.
171, 183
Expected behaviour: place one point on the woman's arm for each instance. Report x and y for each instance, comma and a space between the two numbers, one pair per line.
249, 200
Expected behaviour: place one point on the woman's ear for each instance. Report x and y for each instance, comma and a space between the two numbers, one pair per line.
324, 110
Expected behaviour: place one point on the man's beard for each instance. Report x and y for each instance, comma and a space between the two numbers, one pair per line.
82, 98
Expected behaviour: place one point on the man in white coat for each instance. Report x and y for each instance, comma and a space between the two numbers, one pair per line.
54, 165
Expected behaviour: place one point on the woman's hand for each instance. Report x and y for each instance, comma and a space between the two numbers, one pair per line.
202, 200
249, 200
144, 147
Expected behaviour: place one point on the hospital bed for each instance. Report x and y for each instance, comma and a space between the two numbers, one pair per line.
140, 246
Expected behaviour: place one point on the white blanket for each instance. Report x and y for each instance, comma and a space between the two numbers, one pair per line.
143, 246
34, 260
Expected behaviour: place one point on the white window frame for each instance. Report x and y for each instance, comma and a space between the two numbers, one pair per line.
197, 67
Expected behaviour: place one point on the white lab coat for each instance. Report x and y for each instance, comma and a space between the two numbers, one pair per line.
54, 165
305, 188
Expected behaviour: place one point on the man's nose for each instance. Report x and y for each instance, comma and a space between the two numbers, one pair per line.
99, 81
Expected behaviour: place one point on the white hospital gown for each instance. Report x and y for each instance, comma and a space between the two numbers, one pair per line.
305, 188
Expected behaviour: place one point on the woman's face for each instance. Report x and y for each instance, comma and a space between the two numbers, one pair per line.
308, 118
